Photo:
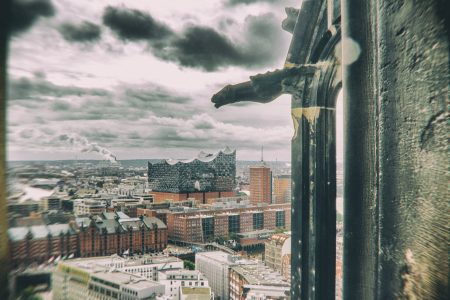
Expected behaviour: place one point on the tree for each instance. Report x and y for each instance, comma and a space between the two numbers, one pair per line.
279, 230
29, 294
189, 265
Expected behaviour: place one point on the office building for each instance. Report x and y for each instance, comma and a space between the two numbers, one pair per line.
241, 276
282, 189
51, 203
201, 226
260, 185
24, 208
216, 265
83, 279
176, 280
88, 207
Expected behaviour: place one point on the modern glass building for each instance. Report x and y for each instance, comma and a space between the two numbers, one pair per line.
205, 173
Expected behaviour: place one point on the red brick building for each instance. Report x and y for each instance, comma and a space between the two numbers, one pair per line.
107, 234
260, 185
194, 226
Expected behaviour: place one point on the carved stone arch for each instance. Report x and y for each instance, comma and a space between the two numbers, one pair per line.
314, 97
395, 86
312, 76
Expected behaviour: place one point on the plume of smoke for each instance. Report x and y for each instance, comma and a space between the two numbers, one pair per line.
85, 146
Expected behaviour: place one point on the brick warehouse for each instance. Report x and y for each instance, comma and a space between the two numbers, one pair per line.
203, 226
204, 177
107, 234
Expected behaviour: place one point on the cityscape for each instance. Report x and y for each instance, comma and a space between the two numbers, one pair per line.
224, 149
209, 226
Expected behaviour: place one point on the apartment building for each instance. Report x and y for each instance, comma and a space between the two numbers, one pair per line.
277, 254
83, 279
216, 265
241, 276
176, 280
88, 207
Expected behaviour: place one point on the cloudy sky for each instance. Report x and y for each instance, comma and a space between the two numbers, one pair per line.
136, 77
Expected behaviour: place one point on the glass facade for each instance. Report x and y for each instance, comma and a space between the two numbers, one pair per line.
206, 173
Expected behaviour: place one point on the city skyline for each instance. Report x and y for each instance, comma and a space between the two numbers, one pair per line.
84, 75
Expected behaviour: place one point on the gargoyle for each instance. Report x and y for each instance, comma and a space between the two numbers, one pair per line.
262, 88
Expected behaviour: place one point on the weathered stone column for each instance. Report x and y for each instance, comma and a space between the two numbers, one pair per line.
313, 190
414, 81
360, 67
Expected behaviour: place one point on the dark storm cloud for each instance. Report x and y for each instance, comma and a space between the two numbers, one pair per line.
24, 13
263, 37
25, 88
201, 47
205, 48
132, 24
83, 32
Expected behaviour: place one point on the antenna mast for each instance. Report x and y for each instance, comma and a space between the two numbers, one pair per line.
262, 153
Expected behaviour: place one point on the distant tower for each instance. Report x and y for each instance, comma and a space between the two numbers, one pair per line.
260, 183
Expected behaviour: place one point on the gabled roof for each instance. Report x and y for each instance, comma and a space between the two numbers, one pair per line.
39, 231
111, 226
150, 222
17, 233
108, 215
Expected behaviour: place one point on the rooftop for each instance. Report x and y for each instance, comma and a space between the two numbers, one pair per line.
108, 261
224, 258
196, 293
38, 231
202, 156
279, 238
132, 281
260, 274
